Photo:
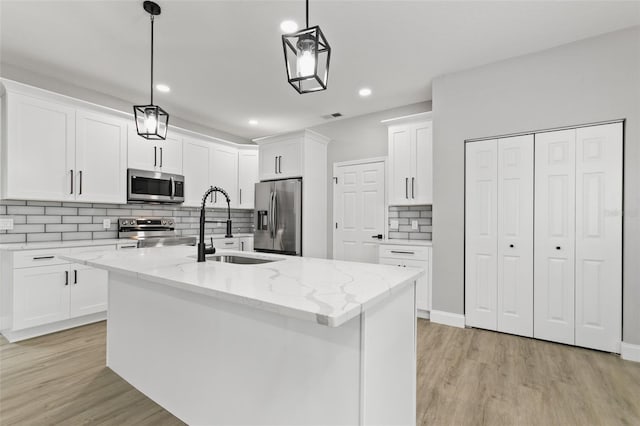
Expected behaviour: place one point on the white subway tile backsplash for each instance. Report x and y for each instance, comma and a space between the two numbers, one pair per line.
405, 215
12, 238
25, 210
62, 210
43, 219
40, 237
25, 229
69, 236
77, 219
67, 227
92, 212
44, 203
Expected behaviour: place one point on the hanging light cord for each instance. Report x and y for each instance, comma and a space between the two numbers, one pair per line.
307, 13
152, 58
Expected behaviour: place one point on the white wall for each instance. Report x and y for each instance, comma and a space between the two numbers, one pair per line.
358, 138
21, 75
591, 80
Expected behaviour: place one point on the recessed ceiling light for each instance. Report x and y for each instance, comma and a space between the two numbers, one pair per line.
163, 88
365, 91
288, 26
253, 122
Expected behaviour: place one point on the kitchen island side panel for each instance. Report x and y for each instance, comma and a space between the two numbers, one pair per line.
209, 361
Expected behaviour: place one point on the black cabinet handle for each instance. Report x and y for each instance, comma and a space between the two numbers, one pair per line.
280, 164
155, 156
406, 188
511, 245
275, 164
402, 252
75, 276
71, 181
240, 195
378, 237
66, 277
80, 190
42, 257
160, 156
413, 194
557, 247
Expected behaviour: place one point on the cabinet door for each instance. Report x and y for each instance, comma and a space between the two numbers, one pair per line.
289, 159
195, 156
40, 295
101, 158
554, 240
481, 221
515, 235
422, 175
246, 243
268, 156
247, 178
142, 153
170, 154
88, 290
224, 174
598, 299
400, 165
422, 285
41, 147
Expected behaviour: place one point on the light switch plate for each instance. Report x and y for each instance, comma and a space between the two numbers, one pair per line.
106, 223
414, 225
6, 224
394, 224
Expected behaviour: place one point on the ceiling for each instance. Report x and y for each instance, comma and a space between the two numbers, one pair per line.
224, 59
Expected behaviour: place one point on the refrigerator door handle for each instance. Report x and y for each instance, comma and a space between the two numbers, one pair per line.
275, 213
271, 215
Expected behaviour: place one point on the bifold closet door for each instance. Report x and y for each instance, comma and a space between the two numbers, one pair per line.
554, 241
598, 269
481, 221
515, 235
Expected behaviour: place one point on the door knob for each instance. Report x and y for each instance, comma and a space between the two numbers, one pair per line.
511, 245
379, 236
557, 247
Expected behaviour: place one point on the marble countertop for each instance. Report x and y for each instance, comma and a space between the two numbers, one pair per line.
427, 243
329, 292
87, 243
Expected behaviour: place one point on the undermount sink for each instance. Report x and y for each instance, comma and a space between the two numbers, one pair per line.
240, 260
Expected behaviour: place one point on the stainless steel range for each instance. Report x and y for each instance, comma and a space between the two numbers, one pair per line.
152, 232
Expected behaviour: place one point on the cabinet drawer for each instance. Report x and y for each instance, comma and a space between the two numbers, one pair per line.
404, 252
31, 258
226, 243
92, 248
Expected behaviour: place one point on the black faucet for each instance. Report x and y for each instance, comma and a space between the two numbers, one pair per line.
202, 249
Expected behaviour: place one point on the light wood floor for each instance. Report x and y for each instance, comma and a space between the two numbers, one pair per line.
465, 377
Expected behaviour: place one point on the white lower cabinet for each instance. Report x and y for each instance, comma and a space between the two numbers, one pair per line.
246, 243
413, 257
88, 293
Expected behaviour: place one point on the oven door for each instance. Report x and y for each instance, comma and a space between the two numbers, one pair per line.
154, 187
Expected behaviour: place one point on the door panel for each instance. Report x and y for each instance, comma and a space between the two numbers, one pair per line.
224, 174
287, 202
554, 254
41, 145
40, 295
422, 185
263, 234
359, 211
101, 158
196, 171
400, 167
481, 234
247, 177
598, 299
515, 235
88, 290
170, 158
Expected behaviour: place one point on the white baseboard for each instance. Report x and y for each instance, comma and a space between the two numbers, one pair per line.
630, 352
41, 330
447, 318
422, 314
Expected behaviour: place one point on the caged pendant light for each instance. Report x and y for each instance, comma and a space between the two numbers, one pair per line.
306, 55
151, 120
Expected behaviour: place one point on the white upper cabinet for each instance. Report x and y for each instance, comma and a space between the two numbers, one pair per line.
155, 155
247, 178
39, 160
281, 160
101, 158
224, 174
197, 165
410, 161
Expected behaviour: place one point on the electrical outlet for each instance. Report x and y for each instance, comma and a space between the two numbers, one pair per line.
106, 223
6, 224
414, 225
394, 224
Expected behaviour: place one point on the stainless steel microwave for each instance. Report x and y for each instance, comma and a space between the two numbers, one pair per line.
144, 186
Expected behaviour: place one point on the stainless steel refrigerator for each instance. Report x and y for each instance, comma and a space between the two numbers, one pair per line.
278, 216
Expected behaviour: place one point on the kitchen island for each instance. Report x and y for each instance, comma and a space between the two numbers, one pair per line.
292, 341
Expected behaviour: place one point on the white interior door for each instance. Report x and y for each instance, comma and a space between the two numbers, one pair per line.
515, 235
481, 221
359, 211
554, 253
598, 300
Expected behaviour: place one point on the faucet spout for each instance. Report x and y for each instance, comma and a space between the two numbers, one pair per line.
203, 250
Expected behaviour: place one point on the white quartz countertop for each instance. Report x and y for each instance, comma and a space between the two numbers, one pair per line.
426, 243
88, 243
329, 292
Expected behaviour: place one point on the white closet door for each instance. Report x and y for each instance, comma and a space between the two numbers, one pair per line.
515, 235
599, 237
481, 234
554, 254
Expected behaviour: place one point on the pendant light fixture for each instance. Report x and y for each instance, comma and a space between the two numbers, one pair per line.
306, 55
151, 120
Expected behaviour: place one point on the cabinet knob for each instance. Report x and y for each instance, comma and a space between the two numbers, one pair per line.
557, 247
511, 245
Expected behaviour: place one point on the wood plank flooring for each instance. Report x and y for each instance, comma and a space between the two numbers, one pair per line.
465, 377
